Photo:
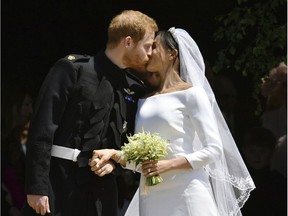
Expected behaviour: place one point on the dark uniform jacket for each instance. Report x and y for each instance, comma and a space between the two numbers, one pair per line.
85, 103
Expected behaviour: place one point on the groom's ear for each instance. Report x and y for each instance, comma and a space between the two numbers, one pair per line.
128, 41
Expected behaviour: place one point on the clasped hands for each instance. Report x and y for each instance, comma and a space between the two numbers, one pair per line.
101, 163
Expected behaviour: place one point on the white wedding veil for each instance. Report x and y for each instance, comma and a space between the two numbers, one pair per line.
230, 179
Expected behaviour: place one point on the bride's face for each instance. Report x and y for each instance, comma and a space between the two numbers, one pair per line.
159, 60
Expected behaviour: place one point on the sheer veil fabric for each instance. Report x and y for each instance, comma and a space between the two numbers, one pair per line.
230, 179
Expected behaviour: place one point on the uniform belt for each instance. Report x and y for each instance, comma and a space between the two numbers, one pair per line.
65, 153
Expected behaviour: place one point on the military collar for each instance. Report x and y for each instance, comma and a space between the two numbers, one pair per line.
116, 74
108, 68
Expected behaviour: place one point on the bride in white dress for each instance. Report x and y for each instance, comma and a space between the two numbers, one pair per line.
203, 173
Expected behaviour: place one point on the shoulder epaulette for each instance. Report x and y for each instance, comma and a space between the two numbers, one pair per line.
77, 58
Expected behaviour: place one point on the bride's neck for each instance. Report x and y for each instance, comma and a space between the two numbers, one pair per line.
170, 82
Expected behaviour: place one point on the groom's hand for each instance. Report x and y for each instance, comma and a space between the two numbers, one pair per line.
101, 166
104, 169
39, 203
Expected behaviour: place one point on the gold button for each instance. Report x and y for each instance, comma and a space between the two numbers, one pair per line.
71, 57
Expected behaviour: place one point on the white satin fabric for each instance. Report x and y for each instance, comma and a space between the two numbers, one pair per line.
180, 117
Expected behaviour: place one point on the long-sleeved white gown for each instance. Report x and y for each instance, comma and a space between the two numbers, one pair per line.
181, 117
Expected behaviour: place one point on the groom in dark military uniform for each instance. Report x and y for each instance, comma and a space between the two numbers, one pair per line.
86, 103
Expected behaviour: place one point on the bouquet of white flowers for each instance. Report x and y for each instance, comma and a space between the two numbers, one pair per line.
145, 146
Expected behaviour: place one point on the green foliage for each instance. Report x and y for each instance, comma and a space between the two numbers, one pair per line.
255, 40
145, 146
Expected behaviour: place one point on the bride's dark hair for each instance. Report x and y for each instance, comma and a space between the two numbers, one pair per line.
167, 40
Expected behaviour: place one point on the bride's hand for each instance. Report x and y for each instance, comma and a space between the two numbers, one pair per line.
100, 162
153, 167
101, 157
103, 154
